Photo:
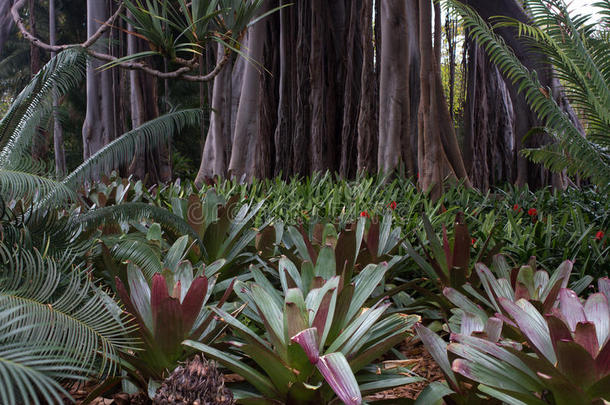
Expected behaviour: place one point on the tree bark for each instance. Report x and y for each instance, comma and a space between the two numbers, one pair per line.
216, 148
98, 128
247, 120
527, 173
6, 22
398, 62
58, 136
352, 92
286, 115
367, 115
151, 164
433, 165
263, 161
489, 136
323, 81
301, 151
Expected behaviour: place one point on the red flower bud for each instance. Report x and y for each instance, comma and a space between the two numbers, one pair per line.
532, 212
364, 214
599, 235
516, 207
392, 205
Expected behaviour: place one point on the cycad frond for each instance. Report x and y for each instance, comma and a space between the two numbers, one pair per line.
62, 73
540, 99
121, 150
136, 212
15, 185
56, 312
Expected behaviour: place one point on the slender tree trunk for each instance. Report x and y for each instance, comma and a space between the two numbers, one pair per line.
323, 82
58, 136
246, 125
433, 164
40, 142
152, 164
263, 161
450, 29
6, 22
286, 114
367, 115
215, 151
301, 152
98, 128
352, 91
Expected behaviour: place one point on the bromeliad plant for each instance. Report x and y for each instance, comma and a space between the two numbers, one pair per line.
169, 307
319, 336
570, 363
342, 252
226, 229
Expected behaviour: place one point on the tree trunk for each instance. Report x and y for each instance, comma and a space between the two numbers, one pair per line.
301, 152
433, 165
323, 81
98, 128
263, 161
151, 164
397, 59
6, 22
246, 125
367, 115
527, 173
216, 148
40, 141
351, 92
286, 115
489, 137
58, 136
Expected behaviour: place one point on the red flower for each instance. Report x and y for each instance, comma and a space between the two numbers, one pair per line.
516, 207
599, 235
532, 212
473, 241
393, 205
364, 214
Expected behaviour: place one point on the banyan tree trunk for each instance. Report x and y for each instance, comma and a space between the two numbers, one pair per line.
98, 128
351, 91
150, 163
216, 148
367, 115
323, 86
489, 150
247, 121
439, 155
526, 172
398, 85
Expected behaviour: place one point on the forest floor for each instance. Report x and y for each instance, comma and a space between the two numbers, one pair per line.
421, 361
